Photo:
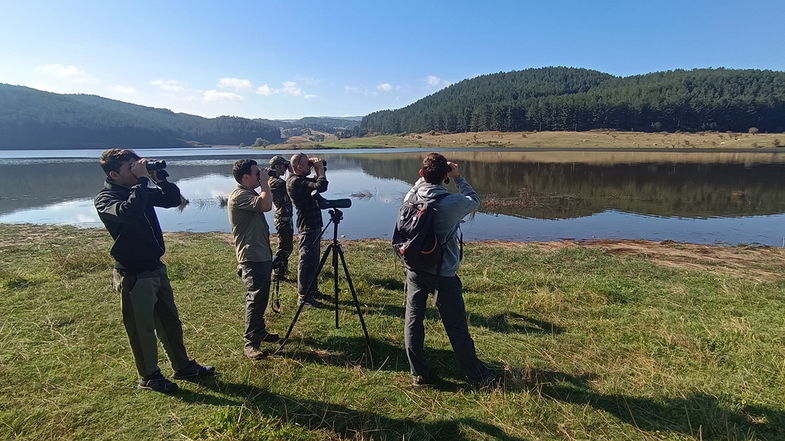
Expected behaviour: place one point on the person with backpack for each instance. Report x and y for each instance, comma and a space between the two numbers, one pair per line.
431, 265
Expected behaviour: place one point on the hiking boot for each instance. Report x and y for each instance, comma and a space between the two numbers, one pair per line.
253, 352
194, 371
158, 383
271, 338
310, 302
423, 381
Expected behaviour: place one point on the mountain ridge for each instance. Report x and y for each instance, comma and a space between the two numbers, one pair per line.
576, 99
32, 119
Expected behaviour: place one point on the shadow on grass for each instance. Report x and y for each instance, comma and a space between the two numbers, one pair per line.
339, 419
698, 415
351, 351
506, 323
388, 283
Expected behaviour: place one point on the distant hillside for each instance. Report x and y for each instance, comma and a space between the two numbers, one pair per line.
560, 98
325, 124
31, 118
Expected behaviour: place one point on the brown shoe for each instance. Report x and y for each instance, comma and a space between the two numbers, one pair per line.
253, 352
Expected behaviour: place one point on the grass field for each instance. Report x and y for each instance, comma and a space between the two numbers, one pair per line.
597, 340
591, 139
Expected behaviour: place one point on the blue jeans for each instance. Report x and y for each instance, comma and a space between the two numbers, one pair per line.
448, 294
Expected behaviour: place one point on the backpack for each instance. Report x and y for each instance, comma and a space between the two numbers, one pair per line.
414, 241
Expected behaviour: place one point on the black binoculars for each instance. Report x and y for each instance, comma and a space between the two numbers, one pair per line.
156, 165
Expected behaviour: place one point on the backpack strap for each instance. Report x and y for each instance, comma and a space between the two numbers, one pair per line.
460, 240
441, 245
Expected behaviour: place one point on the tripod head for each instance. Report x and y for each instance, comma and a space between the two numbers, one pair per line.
336, 215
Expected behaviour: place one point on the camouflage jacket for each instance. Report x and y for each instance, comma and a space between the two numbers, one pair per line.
283, 205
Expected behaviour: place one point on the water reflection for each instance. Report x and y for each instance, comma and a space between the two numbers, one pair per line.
693, 197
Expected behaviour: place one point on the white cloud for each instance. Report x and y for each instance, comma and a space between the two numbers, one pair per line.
168, 85
265, 90
385, 87
237, 84
70, 73
434, 81
211, 96
352, 89
287, 88
310, 81
290, 88
123, 90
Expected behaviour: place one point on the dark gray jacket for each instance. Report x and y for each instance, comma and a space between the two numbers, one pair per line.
449, 212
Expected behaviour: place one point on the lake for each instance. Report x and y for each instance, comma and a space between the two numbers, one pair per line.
694, 197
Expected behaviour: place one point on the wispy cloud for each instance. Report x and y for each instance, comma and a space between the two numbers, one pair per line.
309, 81
385, 87
238, 84
291, 88
168, 85
265, 90
63, 72
212, 96
434, 81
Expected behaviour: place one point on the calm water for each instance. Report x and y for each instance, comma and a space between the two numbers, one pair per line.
692, 197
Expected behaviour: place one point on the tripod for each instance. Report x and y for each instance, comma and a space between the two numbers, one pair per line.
336, 216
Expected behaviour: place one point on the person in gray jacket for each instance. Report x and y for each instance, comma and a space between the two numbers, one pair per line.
442, 280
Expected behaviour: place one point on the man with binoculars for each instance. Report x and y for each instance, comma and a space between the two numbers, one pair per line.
304, 192
126, 207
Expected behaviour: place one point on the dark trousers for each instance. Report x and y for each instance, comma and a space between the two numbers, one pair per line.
449, 300
309, 261
149, 311
256, 277
285, 246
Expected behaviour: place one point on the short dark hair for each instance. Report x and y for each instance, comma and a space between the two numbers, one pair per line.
241, 168
113, 159
435, 168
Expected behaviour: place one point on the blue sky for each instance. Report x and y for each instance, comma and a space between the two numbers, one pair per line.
276, 59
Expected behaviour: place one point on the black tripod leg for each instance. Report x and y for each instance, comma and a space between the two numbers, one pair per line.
307, 295
335, 284
356, 303
276, 304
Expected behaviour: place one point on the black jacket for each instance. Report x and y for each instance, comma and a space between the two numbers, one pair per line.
301, 191
130, 218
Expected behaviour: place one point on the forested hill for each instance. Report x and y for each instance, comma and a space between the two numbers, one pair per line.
559, 98
31, 118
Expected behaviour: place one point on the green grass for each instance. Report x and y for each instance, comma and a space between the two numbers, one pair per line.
593, 345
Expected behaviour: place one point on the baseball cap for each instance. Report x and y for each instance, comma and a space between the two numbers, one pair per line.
278, 160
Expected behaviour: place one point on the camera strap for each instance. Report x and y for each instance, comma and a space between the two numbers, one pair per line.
460, 241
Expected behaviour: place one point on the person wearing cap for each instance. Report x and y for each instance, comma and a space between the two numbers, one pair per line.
283, 216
